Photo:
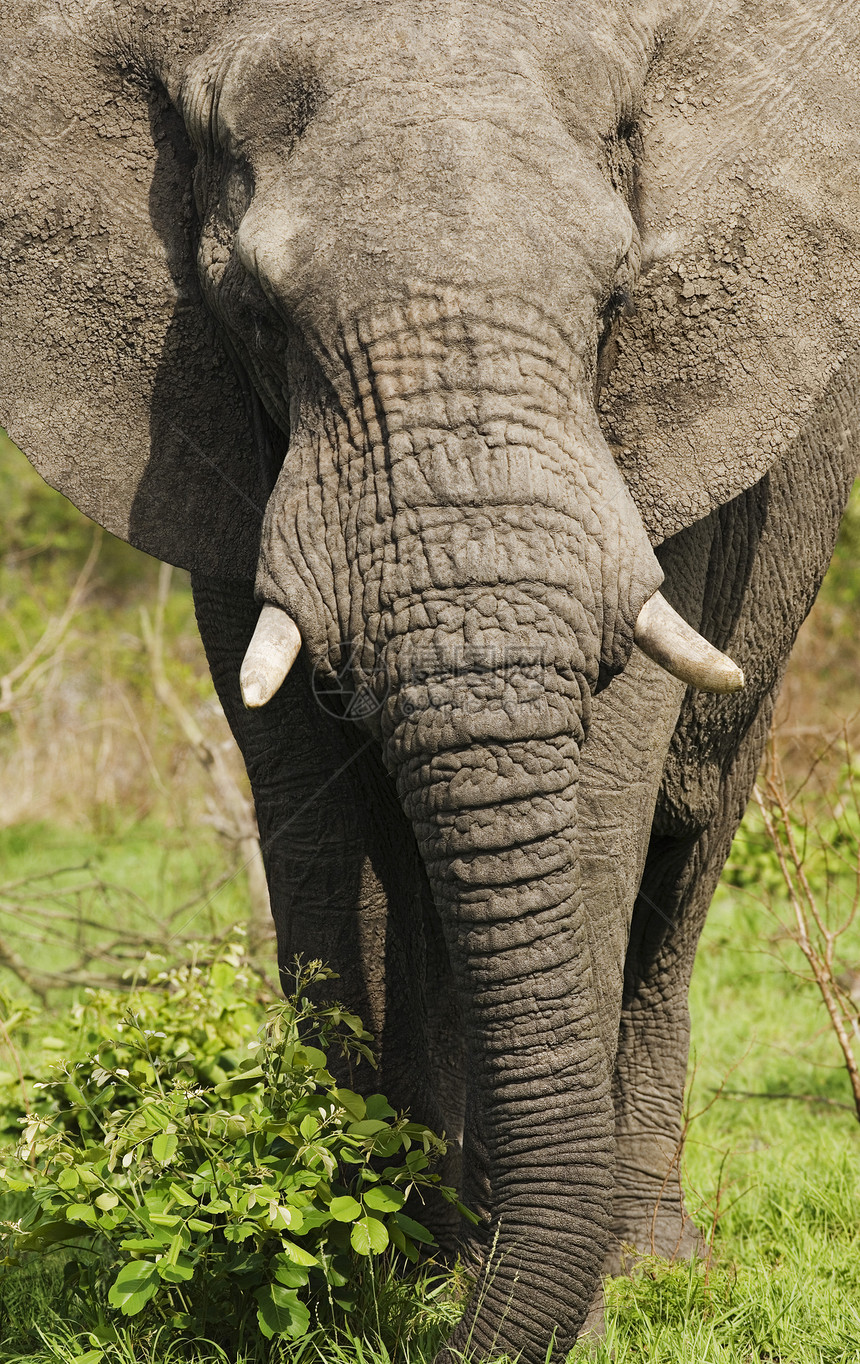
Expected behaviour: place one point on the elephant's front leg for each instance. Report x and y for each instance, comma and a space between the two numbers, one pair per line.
622, 765
763, 557
345, 880
303, 770
681, 874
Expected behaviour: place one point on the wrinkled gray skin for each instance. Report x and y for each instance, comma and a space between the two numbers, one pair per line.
501, 312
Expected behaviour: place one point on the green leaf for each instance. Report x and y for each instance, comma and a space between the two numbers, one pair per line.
239, 1231
182, 1197
164, 1219
180, 1272
16, 1184
311, 1057
353, 1103
82, 1213
369, 1236
402, 1242
279, 1216
291, 1276
461, 1207
280, 1313
413, 1229
345, 1209
297, 1254
161, 1235
133, 1287
416, 1161
103, 1335
195, 1224
338, 1271
68, 1179
377, 1106
164, 1147
240, 1084
106, 1201
50, 1232
383, 1198
369, 1128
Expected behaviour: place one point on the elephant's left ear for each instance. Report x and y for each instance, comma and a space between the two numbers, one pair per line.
746, 329
113, 379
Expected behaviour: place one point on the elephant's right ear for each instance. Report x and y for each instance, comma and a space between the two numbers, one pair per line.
113, 379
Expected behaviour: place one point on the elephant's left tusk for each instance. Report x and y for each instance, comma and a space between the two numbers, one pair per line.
272, 652
667, 638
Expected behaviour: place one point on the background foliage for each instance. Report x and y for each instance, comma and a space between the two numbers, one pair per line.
113, 841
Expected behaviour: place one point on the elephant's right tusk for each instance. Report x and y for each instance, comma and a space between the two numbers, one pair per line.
272, 652
667, 638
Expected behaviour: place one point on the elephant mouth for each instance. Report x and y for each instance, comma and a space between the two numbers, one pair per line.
661, 633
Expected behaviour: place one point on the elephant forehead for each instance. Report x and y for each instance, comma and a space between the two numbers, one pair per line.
461, 150
266, 57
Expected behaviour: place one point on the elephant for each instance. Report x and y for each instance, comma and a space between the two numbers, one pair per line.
494, 368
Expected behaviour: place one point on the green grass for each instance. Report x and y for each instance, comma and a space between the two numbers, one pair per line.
162, 869
147, 888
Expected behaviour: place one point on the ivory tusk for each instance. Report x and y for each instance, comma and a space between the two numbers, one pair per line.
667, 638
272, 652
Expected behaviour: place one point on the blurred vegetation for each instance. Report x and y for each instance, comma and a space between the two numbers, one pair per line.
107, 816
90, 747
99, 778
819, 705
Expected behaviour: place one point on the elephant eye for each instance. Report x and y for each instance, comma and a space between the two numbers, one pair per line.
619, 304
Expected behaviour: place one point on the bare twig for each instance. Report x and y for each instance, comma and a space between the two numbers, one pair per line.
811, 930
740, 1094
235, 818
17, 685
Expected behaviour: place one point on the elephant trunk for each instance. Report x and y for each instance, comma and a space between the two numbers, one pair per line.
496, 825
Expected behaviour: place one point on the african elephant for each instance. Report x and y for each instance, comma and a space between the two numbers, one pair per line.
450, 331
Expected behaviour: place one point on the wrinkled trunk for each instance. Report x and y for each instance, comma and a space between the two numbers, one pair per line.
496, 824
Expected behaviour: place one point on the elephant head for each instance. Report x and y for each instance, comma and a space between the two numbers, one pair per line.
339, 296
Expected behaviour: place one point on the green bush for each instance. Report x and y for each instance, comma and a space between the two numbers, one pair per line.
208, 1183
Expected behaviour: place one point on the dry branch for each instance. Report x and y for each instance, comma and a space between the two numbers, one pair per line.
811, 930
19, 684
234, 817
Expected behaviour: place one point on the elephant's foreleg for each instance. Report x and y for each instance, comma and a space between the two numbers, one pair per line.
302, 769
344, 875
681, 874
